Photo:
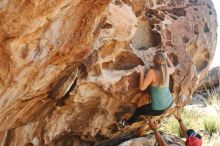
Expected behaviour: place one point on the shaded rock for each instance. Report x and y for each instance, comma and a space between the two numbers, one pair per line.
126, 61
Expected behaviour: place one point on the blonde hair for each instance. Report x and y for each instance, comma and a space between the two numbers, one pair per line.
160, 65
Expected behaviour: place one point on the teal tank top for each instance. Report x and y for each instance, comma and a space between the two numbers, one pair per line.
161, 98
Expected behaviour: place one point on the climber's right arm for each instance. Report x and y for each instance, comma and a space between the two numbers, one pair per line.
171, 67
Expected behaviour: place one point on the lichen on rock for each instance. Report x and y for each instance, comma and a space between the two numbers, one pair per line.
67, 67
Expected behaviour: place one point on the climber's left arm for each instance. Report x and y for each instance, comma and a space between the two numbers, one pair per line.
145, 81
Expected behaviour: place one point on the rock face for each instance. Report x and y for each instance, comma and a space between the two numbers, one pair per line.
67, 67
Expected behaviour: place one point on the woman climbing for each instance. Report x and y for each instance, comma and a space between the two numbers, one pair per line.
158, 80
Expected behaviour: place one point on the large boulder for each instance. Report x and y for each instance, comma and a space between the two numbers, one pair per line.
211, 80
67, 67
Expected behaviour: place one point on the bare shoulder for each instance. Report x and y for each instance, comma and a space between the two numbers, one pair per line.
151, 72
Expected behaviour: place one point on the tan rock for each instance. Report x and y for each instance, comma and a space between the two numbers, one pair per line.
67, 67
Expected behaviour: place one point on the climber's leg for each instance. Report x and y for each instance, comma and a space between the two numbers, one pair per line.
155, 112
139, 111
144, 110
158, 112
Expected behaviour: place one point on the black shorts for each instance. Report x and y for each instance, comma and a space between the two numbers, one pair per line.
147, 111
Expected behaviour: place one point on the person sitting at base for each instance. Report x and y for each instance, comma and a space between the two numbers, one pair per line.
192, 138
158, 80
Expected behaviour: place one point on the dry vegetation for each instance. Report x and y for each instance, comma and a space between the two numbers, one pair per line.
205, 120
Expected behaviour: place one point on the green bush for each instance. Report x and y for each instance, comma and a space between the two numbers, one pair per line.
211, 125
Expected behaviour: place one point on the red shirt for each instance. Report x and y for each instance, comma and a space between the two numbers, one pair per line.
194, 141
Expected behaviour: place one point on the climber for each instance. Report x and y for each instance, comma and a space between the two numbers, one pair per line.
158, 80
192, 138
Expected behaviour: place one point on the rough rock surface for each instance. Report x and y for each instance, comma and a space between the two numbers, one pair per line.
67, 67
150, 140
